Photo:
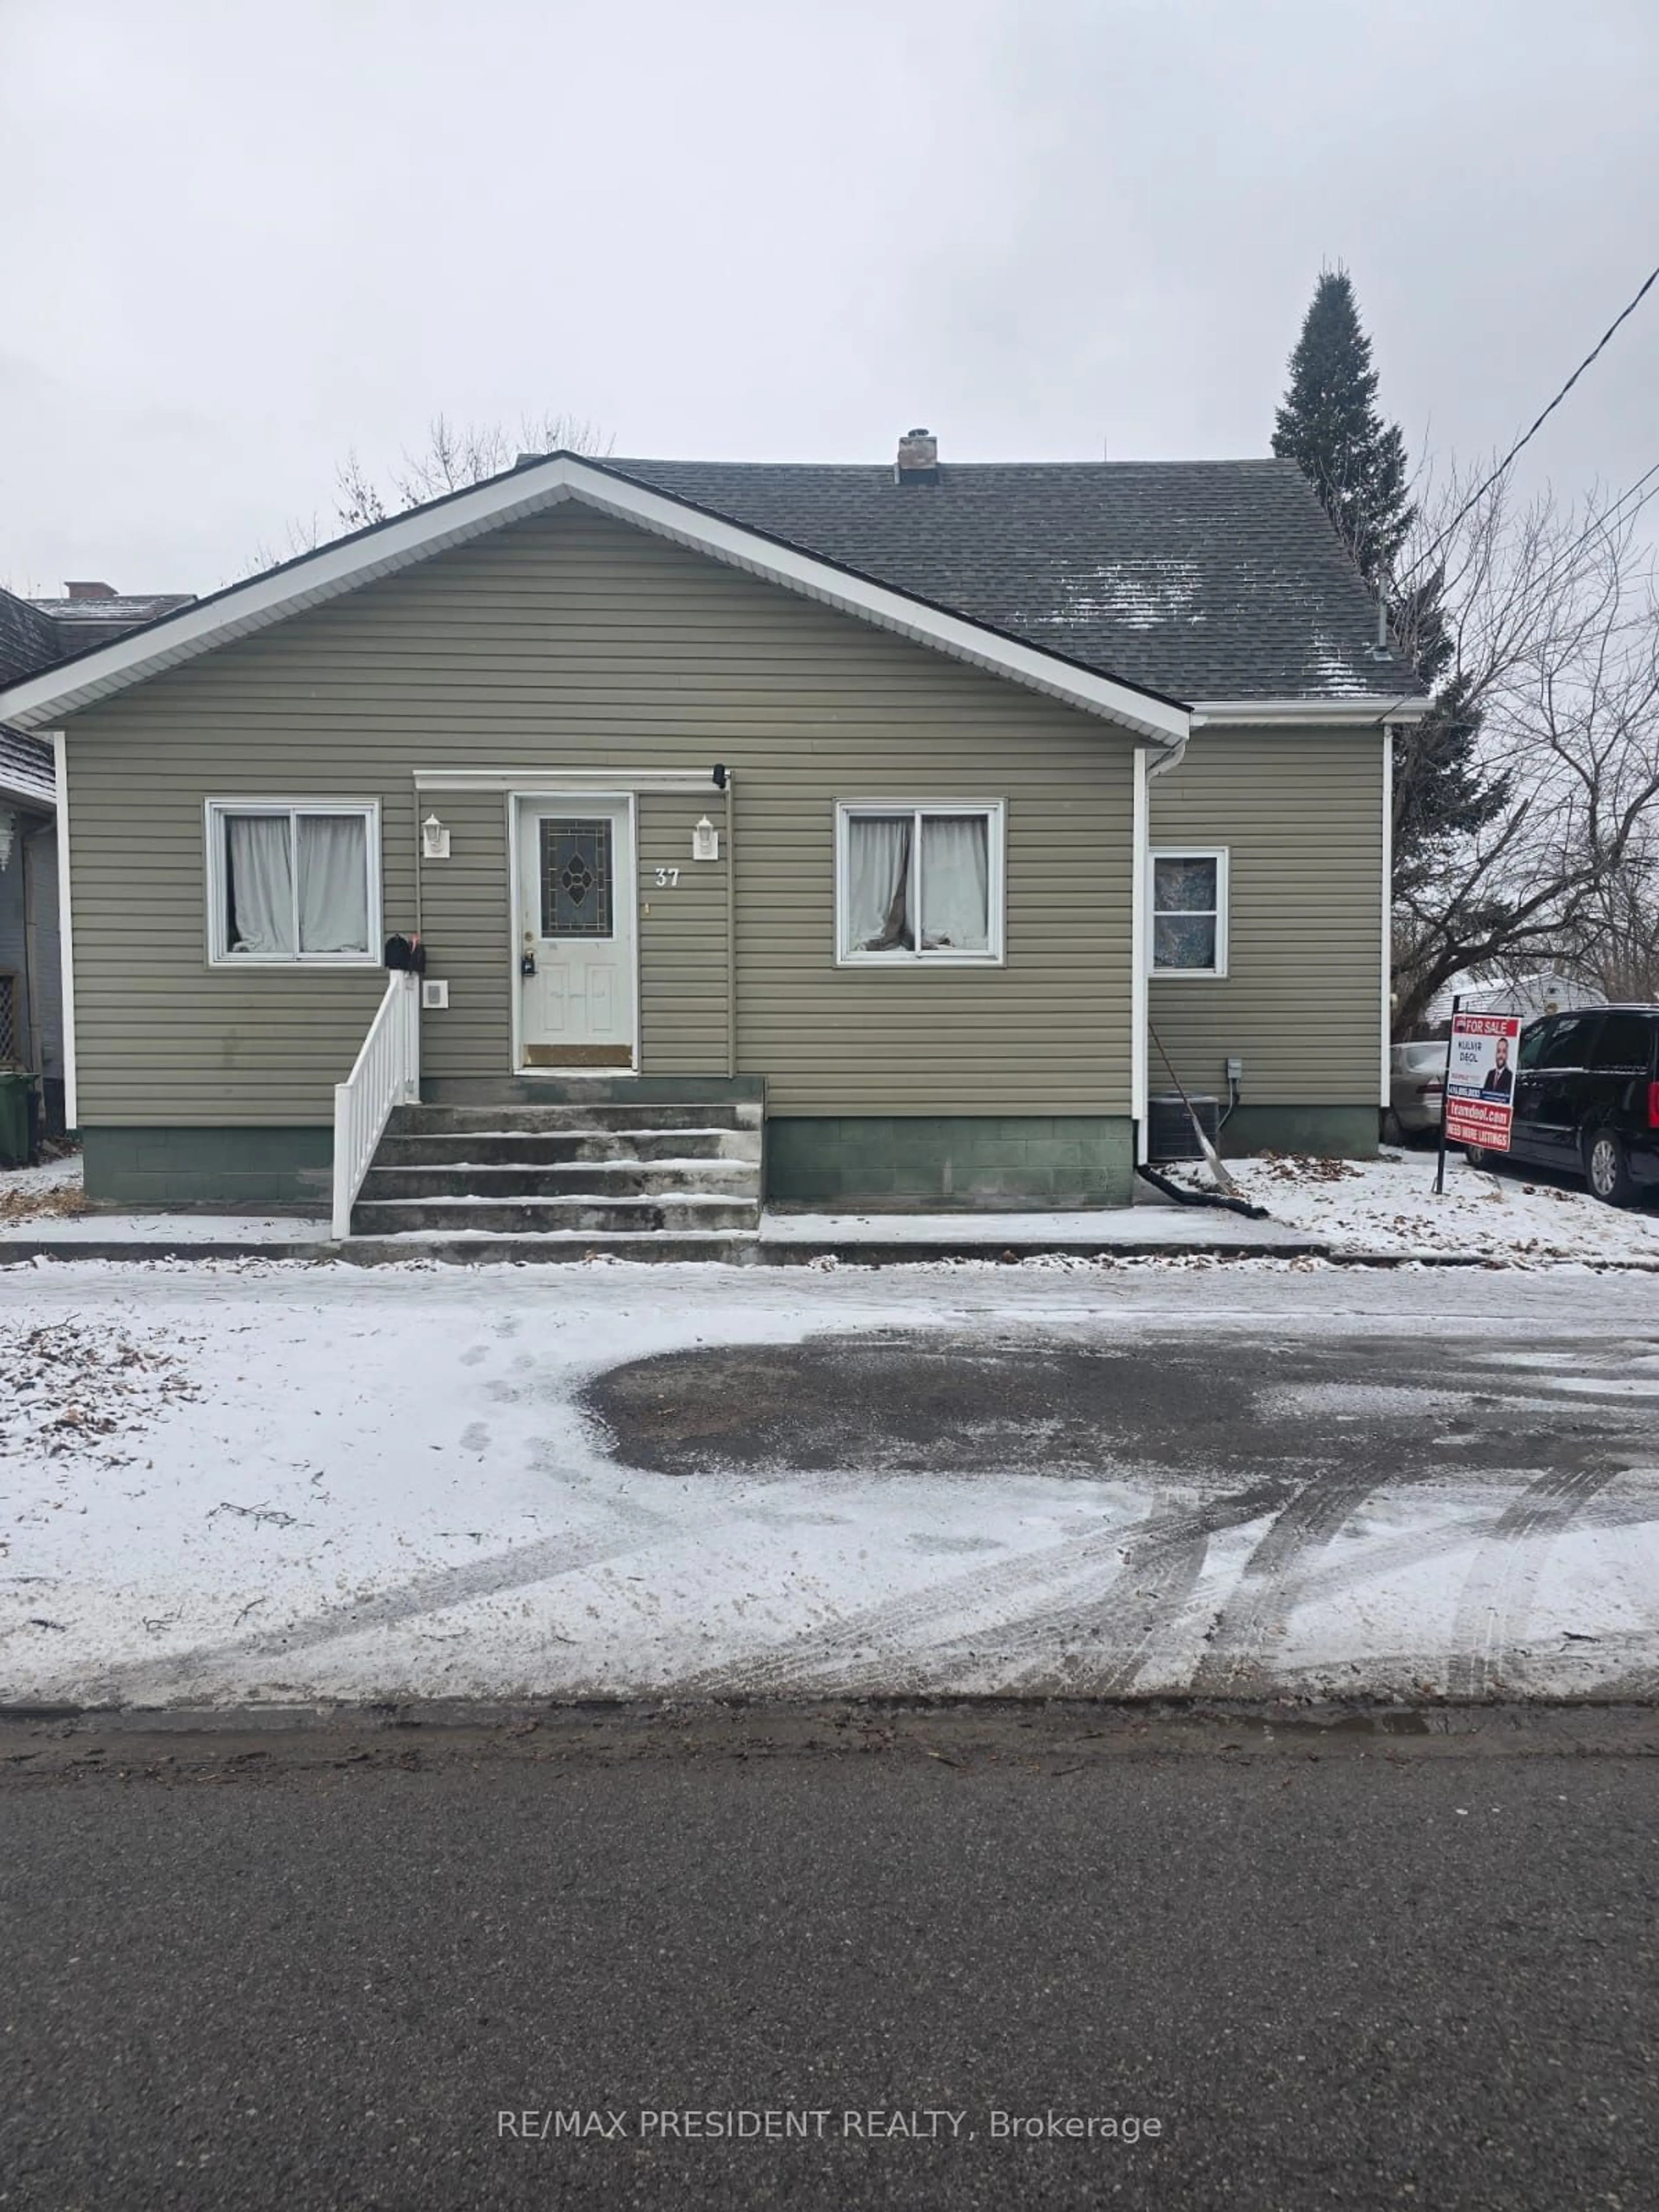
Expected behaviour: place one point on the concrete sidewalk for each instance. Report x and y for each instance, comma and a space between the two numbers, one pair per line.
1144, 1230
1151, 1230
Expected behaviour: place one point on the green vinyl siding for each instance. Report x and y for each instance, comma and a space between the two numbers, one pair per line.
1301, 815
571, 642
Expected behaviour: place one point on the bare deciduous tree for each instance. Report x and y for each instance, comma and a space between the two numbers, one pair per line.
1555, 625
1616, 946
454, 456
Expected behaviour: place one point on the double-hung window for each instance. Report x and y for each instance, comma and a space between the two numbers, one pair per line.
292, 882
918, 881
1190, 912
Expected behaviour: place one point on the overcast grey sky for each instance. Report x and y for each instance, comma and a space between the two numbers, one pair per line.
239, 237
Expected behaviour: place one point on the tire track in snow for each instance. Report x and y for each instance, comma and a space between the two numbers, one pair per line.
630, 1529
839, 1660
1155, 1588
1414, 1547
1162, 1566
1496, 1598
1303, 1528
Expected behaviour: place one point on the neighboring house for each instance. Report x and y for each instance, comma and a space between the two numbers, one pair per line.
909, 800
36, 635
1530, 996
31, 998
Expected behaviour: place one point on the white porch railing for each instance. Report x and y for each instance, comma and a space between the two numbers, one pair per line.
387, 1073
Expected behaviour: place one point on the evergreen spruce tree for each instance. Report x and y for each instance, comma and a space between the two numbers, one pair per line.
1356, 462
1329, 425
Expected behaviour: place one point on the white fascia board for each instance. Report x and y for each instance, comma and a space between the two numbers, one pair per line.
324, 576
32, 798
1325, 713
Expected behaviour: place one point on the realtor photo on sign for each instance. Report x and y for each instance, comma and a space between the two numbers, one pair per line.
1480, 1079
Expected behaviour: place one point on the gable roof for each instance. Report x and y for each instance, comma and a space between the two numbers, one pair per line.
532, 488
1207, 579
1041, 573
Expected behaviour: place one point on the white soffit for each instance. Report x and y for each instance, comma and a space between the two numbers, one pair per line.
317, 577
1369, 713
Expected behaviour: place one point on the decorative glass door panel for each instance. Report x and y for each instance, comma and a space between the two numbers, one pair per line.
577, 877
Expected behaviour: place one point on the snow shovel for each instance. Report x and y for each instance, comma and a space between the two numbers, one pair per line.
1211, 1157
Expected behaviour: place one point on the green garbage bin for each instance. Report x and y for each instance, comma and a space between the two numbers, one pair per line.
16, 1089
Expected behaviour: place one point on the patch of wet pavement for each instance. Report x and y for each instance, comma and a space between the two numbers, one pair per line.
894, 1402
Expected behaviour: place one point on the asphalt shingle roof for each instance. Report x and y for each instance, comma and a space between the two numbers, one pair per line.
27, 770
29, 641
1200, 580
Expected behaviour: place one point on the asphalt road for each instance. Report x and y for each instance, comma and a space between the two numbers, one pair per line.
1397, 1973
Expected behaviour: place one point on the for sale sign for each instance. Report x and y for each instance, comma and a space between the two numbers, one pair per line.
1480, 1106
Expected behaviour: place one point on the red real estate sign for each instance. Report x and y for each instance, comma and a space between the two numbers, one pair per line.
1479, 1107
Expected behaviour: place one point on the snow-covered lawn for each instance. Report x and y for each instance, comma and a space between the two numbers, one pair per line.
1389, 1204
265, 1481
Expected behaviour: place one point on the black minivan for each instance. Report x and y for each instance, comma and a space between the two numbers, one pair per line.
1587, 1099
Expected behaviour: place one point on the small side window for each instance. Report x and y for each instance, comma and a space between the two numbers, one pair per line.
1189, 913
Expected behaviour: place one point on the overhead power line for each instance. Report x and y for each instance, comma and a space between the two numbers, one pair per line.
1603, 521
1528, 435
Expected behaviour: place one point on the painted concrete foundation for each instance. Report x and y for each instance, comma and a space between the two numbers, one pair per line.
869, 1162
225, 1166
1338, 1132
1013, 1163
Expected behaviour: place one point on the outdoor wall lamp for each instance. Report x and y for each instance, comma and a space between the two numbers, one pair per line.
434, 839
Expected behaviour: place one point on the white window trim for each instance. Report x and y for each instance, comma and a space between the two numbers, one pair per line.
994, 810
1222, 857
219, 953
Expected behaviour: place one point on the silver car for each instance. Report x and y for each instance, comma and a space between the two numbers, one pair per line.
1417, 1085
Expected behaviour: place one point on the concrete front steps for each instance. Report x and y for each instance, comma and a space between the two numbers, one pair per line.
575, 1175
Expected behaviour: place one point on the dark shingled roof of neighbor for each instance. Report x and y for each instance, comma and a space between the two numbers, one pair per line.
1200, 580
26, 768
29, 641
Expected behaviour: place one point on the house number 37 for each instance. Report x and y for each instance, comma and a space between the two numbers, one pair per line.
667, 879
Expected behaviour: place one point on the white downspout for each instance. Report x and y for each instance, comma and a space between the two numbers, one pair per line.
65, 928
1138, 1011
1385, 1096
1147, 767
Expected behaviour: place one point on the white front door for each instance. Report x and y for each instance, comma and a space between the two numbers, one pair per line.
575, 949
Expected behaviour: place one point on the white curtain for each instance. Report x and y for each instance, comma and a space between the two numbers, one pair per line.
955, 883
261, 884
878, 883
333, 884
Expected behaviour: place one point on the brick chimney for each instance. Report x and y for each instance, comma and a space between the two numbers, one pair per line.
918, 458
91, 591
